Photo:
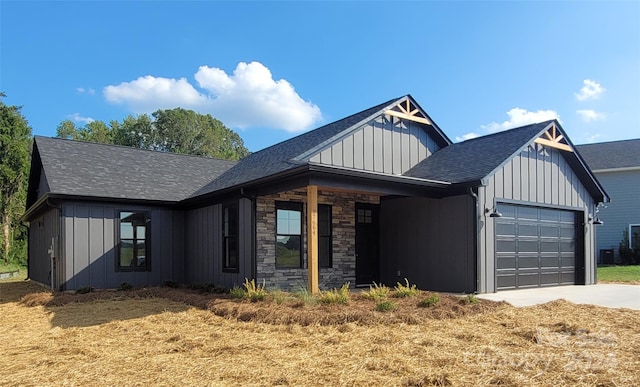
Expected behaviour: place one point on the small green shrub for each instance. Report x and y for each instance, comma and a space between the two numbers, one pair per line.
207, 288
125, 286
237, 293
376, 292
85, 290
170, 284
303, 295
430, 301
469, 299
278, 296
386, 306
405, 290
254, 292
336, 296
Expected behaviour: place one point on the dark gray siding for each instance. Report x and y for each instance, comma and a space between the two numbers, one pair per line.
428, 241
43, 185
538, 176
43, 231
387, 144
624, 209
89, 248
203, 238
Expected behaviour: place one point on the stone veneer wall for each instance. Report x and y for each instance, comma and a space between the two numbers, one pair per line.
343, 240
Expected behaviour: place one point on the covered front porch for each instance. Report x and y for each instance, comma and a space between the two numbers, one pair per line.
318, 237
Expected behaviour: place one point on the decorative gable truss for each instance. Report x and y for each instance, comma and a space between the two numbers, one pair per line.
390, 142
408, 111
553, 138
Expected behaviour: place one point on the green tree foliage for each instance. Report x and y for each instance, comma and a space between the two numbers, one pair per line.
15, 145
174, 130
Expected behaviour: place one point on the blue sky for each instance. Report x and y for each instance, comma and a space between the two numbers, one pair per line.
271, 70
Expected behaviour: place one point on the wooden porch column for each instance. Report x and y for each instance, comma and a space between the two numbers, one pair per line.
312, 237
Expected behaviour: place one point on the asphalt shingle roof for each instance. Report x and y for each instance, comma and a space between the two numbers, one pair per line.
474, 159
110, 171
609, 155
276, 159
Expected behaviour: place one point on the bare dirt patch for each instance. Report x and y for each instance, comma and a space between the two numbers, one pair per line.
145, 338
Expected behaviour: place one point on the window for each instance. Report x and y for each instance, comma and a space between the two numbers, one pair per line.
325, 246
288, 235
365, 216
134, 241
634, 236
230, 235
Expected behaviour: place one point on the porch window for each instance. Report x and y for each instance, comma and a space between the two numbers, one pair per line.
325, 245
288, 235
230, 236
134, 234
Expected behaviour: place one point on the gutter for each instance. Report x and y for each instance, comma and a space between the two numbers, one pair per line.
254, 233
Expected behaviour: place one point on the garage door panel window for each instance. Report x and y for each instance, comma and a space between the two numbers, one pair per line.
506, 229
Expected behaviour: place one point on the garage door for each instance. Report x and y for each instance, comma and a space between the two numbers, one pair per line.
535, 247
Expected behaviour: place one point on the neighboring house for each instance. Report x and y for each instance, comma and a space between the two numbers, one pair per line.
379, 196
616, 164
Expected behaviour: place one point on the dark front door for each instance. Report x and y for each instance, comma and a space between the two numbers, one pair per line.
367, 243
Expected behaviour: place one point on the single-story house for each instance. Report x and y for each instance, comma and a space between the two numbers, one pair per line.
616, 164
378, 196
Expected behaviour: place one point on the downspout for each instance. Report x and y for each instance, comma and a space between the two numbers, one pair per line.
254, 235
475, 236
54, 253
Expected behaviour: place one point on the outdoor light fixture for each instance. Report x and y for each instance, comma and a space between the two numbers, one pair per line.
493, 212
595, 220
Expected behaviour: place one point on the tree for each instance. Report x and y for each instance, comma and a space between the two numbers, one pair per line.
185, 131
174, 130
15, 145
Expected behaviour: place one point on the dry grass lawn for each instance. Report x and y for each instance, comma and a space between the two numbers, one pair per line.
171, 337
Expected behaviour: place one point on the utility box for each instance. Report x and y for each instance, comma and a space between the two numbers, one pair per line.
606, 256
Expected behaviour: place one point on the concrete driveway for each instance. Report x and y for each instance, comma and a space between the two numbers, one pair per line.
607, 295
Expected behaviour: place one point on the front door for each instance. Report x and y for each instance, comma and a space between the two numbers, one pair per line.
367, 244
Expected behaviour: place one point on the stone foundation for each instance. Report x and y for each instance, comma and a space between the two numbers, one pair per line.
343, 268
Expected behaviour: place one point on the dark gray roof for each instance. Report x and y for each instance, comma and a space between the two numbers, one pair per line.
609, 155
276, 159
109, 171
475, 159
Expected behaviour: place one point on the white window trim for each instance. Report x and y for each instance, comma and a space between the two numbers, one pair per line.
631, 235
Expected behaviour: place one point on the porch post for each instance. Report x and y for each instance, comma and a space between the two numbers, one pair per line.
312, 237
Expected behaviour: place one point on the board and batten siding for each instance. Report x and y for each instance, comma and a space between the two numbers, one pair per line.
386, 144
538, 176
89, 248
430, 242
204, 246
43, 229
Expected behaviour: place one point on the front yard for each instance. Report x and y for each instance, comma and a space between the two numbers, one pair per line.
158, 337
619, 274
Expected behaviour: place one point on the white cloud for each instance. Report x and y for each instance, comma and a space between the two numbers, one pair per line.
520, 117
590, 115
249, 97
82, 90
590, 90
78, 118
467, 136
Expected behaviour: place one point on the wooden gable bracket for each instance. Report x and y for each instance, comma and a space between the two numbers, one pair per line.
408, 111
554, 139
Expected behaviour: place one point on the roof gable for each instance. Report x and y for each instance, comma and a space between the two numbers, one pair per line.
391, 142
296, 152
473, 161
611, 155
79, 168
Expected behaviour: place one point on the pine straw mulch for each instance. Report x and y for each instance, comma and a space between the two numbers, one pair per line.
288, 309
142, 337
